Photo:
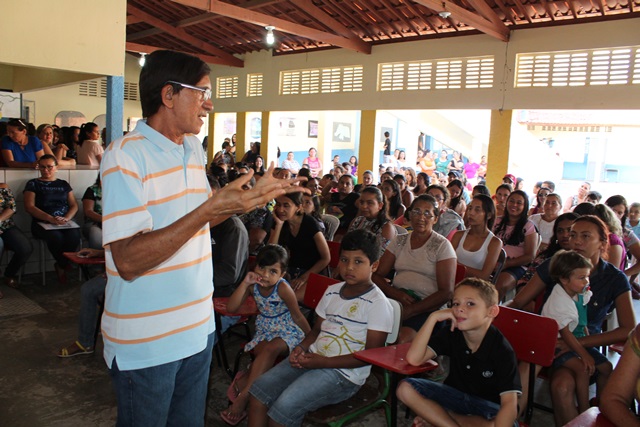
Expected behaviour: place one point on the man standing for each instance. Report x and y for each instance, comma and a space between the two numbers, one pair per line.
158, 320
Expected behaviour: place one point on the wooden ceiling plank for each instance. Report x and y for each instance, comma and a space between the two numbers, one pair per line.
419, 13
312, 10
183, 35
506, 11
574, 11
603, 8
263, 20
523, 10
380, 22
485, 10
501, 32
330, 4
395, 10
133, 20
550, 14
145, 33
143, 48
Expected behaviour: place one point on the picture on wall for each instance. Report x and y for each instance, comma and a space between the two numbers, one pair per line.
313, 129
341, 132
287, 126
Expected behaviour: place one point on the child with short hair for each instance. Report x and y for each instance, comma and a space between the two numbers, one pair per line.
280, 326
483, 381
567, 305
351, 316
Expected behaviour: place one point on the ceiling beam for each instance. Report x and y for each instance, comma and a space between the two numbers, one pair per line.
262, 20
317, 13
133, 20
179, 33
144, 48
499, 31
485, 10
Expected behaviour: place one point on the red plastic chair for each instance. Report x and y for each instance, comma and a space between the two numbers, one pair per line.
461, 271
316, 287
334, 251
533, 339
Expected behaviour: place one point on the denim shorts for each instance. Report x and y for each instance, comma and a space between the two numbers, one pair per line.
455, 400
290, 392
598, 357
515, 272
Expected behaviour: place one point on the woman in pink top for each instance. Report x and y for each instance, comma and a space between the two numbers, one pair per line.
313, 162
89, 148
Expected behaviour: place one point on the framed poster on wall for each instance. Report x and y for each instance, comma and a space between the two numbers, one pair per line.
313, 129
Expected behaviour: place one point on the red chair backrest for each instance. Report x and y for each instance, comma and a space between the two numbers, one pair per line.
532, 337
461, 271
316, 287
334, 251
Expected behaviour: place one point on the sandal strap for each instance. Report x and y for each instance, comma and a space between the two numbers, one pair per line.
80, 346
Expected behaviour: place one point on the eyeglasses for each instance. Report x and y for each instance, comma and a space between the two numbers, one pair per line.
48, 167
206, 92
426, 214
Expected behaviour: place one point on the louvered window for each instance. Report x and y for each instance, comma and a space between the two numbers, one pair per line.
227, 87
451, 73
321, 80
98, 88
254, 85
592, 67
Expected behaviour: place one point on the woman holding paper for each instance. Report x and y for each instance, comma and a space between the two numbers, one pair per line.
51, 203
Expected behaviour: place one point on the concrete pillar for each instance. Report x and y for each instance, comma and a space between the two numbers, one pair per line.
268, 153
499, 146
115, 107
367, 145
241, 134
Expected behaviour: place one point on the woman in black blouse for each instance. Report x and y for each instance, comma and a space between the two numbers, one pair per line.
50, 200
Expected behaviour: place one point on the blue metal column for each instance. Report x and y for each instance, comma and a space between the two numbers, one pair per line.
115, 107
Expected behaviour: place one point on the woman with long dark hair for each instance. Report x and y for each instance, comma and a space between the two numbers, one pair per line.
520, 239
476, 247
303, 237
391, 191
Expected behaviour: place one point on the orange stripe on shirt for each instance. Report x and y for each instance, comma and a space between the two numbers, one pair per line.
132, 138
115, 273
118, 168
162, 173
158, 312
124, 212
177, 196
156, 337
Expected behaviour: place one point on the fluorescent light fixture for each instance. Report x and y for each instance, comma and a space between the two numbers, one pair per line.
270, 37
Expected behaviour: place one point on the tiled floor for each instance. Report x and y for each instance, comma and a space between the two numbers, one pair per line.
39, 389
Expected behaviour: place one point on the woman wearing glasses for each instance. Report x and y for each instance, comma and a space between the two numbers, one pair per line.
50, 200
425, 265
20, 150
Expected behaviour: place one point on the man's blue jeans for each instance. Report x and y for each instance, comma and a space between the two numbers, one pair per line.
173, 394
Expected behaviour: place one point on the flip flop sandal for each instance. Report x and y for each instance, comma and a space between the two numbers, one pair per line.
233, 391
226, 417
79, 350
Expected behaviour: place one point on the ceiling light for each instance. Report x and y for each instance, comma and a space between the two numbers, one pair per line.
143, 59
444, 14
270, 37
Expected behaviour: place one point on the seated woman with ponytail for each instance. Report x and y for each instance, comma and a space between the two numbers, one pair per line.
89, 147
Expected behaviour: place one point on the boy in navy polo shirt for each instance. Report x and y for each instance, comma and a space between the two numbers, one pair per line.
483, 383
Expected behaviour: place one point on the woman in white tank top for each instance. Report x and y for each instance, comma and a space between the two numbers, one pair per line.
476, 247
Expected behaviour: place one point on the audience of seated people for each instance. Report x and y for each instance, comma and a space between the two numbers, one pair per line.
417, 269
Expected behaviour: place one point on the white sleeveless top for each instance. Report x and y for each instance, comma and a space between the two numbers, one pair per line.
473, 259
